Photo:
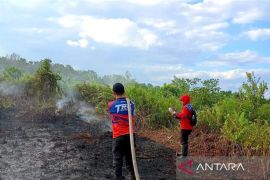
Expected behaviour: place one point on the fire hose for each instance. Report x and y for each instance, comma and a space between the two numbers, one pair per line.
136, 172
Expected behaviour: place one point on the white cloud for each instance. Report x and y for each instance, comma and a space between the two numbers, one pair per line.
120, 31
228, 75
236, 58
163, 71
206, 39
69, 21
231, 74
244, 17
83, 43
166, 72
239, 11
161, 68
200, 26
211, 46
161, 24
225, 75
156, 68
215, 26
204, 24
258, 34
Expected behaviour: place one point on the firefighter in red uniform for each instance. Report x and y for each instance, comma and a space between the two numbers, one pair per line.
185, 125
120, 128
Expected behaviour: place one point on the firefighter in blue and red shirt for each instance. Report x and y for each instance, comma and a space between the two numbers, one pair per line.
120, 128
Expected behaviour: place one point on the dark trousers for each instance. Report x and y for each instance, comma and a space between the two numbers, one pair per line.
184, 141
121, 150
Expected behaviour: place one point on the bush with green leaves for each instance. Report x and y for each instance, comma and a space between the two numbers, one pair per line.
239, 129
152, 106
95, 94
214, 117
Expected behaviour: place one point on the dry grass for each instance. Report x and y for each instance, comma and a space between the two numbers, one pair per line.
203, 142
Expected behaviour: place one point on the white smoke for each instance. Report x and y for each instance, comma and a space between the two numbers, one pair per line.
83, 110
7, 88
86, 112
61, 103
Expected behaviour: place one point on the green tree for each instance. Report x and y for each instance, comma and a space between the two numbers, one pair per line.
179, 86
252, 95
182, 84
44, 83
207, 94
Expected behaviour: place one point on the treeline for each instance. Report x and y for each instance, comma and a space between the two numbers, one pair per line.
69, 75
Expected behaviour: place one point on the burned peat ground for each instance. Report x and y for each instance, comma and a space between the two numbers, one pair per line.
38, 144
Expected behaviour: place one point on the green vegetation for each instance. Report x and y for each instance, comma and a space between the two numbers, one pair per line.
242, 117
151, 105
239, 116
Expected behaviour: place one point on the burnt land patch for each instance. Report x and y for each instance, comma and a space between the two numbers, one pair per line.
42, 145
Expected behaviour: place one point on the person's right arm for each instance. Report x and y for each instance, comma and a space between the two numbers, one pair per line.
109, 106
183, 114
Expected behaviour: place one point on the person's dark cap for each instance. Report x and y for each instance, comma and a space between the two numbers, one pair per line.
118, 88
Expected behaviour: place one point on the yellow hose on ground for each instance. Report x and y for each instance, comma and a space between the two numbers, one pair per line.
133, 154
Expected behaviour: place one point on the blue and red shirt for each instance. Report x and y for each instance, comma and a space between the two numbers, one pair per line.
119, 116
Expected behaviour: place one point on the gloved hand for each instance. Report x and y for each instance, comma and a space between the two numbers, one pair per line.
172, 111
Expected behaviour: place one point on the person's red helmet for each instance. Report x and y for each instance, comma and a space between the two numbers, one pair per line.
185, 99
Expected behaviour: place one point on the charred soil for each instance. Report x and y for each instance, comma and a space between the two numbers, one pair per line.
38, 144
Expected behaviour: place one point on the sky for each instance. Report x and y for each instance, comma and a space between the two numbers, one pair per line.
154, 40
